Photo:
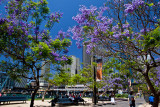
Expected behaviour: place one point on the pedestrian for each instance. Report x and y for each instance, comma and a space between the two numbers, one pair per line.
131, 99
151, 99
112, 98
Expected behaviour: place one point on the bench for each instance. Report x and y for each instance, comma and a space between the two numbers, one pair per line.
12, 98
103, 98
65, 101
82, 100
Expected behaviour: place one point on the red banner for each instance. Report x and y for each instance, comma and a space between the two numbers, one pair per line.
99, 71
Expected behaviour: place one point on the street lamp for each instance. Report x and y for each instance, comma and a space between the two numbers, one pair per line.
95, 99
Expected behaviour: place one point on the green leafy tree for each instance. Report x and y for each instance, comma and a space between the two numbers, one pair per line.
27, 43
86, 77
116, 75
131, 35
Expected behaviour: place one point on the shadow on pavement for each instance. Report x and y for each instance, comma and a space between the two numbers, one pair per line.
42, 106
11, 103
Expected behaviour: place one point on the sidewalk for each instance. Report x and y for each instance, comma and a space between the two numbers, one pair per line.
145, 105
140, 102
38, 103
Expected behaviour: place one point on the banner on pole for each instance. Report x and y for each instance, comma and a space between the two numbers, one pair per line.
99, 70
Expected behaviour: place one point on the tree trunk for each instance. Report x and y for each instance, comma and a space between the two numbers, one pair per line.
156, 101
156, 96
43, 96
33, 97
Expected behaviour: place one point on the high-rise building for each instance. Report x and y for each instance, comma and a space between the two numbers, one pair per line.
74, 67
44, 71
86, 57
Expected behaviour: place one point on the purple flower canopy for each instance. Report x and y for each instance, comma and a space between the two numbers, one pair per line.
92, 22
54, 54
135, 4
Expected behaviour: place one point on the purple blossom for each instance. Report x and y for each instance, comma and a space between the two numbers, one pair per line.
78, 44
30, 25
131, 7
94, 39
36, 31
41, 1
126, 33
89, 48
55, 17
39, 37
54, 54
115, 28
24, 46
144, 30
34, 37
61, 35
40, 53
125, 26
57, 59
155, 17
102, 26
64, 58
116, 35
6, 7
82, 18
96, 32
2, 20
110, 21
47, 42
65, 51
26, 32
137, 3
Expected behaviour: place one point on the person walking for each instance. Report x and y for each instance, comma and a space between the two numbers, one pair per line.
112, 98
131, 99
151, 99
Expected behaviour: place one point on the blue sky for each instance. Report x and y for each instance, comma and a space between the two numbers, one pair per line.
70, 8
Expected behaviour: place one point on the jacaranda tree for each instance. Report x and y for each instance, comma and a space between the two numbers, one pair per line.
133, 39
116, 75
27, 43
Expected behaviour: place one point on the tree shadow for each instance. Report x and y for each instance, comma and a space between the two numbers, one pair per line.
11, 103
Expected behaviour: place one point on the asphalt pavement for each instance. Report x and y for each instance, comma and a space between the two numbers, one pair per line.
38, 103
140, 102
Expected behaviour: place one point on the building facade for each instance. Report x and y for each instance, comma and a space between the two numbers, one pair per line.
86, 57
44, 71
74, 67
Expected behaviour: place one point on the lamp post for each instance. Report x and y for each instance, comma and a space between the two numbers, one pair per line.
95, 99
